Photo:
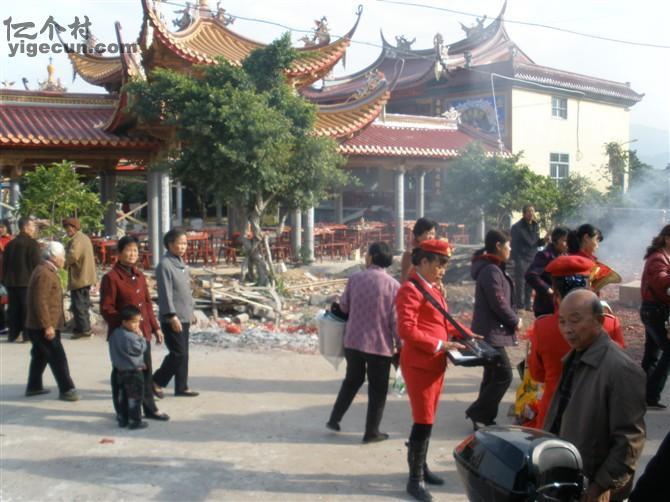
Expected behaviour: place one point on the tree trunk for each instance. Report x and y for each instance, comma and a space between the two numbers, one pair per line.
258, 269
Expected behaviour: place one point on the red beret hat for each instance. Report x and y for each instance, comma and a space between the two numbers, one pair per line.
437, 246
72, 222
570, 265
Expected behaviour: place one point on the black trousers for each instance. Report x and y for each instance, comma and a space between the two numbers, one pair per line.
377, 369
130, 395
16, 311
80, 305
654, 478
656, 358
148, 402
522, 290
176, 362
49, 352
496, 381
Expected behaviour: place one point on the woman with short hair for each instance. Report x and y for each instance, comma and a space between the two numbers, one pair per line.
424, 229
537, 276
495, 320
122, 286
175, 310
426, 335
370, 339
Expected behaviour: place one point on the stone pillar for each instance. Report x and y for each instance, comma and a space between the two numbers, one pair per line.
399, 243
108, 198
219, 212
339, 208
296, 232
309, 235
154, 215
420, 194
179, 203
163, 182
14, 192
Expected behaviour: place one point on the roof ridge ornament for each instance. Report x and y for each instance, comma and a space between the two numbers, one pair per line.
403, 44
186, 18
221, 15
474, 29
320, 34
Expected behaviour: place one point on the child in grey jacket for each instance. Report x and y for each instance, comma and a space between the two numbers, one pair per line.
126, 349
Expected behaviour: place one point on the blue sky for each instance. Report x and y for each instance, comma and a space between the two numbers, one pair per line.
647, 69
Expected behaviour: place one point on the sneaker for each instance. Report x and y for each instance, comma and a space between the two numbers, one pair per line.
37, 392
333, 426
70, 395
655, 405
134, 425
375, 438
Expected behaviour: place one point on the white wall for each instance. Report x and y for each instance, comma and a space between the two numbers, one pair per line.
582, 135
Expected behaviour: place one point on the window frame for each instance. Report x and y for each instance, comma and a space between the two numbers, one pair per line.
559, 162
557, 110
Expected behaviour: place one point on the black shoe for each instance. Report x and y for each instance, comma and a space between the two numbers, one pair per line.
163, 417
137, 425
187, 393
78, 336
333, 426
416, 458
655, 405
158, 391
37, 392
70, 395
375, 438
122, 421
430, 478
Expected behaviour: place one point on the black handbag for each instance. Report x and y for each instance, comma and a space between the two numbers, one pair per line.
477, 351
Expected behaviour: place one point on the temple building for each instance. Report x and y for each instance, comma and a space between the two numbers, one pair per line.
400, 121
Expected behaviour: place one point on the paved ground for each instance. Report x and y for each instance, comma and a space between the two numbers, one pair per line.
256, 432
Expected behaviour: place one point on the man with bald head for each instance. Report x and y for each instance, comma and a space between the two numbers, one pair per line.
599, 405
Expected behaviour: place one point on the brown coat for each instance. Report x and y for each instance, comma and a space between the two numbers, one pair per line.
45, 299
604, 418
80, 262
121, 287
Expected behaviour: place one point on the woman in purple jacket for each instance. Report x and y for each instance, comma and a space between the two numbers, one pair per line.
494, 319
370, 339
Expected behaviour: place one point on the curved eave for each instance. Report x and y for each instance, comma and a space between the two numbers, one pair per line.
344, 120
97, 70
208, 39
468, 43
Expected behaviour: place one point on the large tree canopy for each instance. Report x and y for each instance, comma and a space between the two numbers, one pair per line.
243, 133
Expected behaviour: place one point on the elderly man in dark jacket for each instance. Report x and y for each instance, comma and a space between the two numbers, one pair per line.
494, 319
599, 405
43, 324
21, 256
525, 241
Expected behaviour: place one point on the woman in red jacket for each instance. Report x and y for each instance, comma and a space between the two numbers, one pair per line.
654, 312
122, 286
425, 334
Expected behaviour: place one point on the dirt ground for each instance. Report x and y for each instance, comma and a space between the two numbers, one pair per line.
256, 432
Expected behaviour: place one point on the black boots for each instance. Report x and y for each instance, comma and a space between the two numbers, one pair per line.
416, 458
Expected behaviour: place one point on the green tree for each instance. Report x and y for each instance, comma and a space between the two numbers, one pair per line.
499, 186
55, 192
243, 134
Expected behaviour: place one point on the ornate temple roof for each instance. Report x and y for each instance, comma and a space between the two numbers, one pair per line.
397, 135
47, 119
344, 119
408, 67
205, 39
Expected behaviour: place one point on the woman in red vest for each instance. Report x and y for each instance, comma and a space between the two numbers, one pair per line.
425, 334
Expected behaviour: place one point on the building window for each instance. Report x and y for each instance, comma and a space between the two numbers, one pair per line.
559, 107
559, 166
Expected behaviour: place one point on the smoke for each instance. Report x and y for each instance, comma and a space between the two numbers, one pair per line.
630, 228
